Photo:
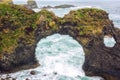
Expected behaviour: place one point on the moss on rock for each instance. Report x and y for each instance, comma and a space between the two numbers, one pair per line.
15, 22
18, 22
87, 22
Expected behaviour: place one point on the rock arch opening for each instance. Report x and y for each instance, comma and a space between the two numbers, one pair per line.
109, 41
61, 57
60, 54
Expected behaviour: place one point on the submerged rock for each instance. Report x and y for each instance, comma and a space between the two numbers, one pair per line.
21, 29
32, 72
7, 77
55, 73
27, 79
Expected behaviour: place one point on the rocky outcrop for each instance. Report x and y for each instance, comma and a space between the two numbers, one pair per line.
59, 6
31, 4
17, 44
64, 6
104, 61
20, 33
88, 27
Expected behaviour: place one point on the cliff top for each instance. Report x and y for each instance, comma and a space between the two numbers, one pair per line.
14, 18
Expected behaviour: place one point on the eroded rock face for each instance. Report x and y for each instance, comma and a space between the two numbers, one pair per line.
17, 44
88, 26
89, 32
104, 61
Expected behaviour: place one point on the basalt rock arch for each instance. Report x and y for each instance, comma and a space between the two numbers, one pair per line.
87, 26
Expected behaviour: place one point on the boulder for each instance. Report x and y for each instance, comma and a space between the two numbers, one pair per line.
31, 4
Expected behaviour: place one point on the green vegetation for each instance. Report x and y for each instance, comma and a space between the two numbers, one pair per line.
88, 23
49, 18
17, 22
88, 20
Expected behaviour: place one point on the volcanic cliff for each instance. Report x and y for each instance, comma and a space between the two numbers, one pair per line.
21, 29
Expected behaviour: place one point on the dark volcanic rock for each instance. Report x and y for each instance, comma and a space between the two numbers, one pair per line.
23, 55
32, 72
17, 49
27, 79
104, 61
99, 59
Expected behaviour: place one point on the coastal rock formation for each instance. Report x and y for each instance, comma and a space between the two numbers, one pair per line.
104, 61
17, 45
31, 4
21, 29
59, 6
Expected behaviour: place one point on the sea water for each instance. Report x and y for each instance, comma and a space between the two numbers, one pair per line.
60, 56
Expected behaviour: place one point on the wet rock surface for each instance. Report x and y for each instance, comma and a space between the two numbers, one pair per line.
32, 72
